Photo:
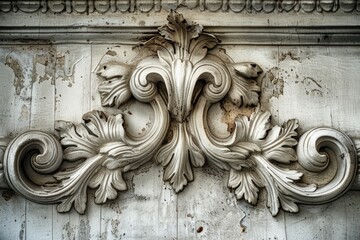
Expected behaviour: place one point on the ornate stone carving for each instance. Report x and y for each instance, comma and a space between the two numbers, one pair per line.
180, 78
246, 6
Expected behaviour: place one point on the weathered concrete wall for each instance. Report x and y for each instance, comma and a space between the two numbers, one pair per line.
41, 84
318, 84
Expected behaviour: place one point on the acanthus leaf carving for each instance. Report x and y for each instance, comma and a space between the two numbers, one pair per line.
246, 185
179, 78
244, 89
115, 90
178, 156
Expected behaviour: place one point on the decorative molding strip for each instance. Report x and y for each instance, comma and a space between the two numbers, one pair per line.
244, 6
299, 36
232, 28
180, 78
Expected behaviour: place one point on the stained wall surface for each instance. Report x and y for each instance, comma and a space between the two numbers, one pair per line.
42, 82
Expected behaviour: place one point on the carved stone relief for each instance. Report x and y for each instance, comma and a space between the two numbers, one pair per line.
180, 77
245, 6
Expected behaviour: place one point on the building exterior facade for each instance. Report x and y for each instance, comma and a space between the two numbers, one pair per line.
179, 119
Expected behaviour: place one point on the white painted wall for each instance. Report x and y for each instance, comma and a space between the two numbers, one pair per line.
316, 83
42, 84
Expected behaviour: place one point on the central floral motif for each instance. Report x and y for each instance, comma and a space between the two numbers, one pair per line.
180, 79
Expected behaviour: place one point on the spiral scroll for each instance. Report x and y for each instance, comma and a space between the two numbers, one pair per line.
32, 153
316, 148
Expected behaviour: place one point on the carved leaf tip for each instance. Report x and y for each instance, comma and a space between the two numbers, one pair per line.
178, 30
246, 185
280, 142
115, 90
248, 70
178, 156
99, 138
108, 183
274, 144
244, 89
184, 41
84, 140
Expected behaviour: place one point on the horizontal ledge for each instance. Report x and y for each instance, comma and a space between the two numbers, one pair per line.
243, 6
208, 19
324, 35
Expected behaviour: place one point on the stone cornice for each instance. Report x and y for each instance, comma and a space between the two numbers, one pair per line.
125, 22
239, 6
298, 36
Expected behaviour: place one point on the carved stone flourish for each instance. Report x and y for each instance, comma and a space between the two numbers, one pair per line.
180, 78
246, 6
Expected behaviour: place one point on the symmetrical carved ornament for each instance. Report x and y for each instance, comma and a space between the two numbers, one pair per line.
246, 6
177, 74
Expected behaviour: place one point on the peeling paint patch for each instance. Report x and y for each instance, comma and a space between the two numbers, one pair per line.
290, 55
7, 194
65, 66
84, 230
111, 53
18, 71
43, 67
24, 115
231, 112
114, 226
271, 86
68, 232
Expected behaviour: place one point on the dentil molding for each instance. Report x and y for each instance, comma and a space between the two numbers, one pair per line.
180, 78
256, 22
243, 6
